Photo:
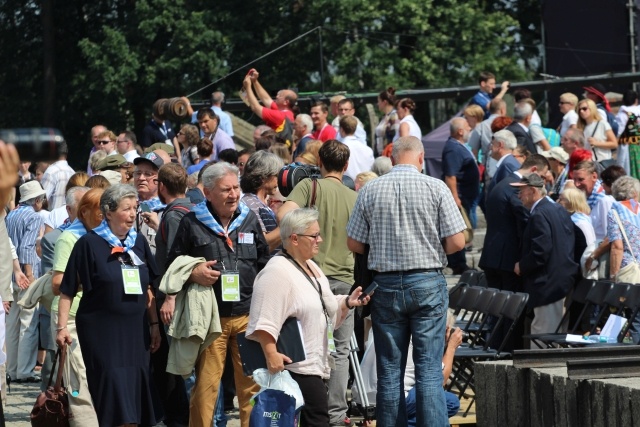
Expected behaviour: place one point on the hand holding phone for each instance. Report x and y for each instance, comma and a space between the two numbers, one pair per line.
367, 292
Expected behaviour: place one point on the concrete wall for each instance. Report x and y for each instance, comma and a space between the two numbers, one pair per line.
507, 396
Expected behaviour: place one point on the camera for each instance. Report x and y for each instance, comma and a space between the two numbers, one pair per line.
35, 144
290, 175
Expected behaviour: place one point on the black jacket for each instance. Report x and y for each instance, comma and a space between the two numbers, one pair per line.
195, 239
547, 265
506, 220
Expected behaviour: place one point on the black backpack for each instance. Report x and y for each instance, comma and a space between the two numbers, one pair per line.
285, 132
182, 210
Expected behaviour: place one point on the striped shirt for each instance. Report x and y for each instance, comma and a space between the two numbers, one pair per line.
54, 181
403, 216
23, 226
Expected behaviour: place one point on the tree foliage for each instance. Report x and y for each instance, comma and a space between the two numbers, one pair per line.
113, 58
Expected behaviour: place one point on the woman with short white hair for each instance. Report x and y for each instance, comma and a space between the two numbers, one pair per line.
292, 285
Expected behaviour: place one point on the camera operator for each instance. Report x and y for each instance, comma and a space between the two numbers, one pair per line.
335, 203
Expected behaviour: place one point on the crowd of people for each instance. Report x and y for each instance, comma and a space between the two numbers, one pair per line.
183, 211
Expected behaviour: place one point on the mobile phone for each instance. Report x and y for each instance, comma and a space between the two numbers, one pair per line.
372, 287
144, 207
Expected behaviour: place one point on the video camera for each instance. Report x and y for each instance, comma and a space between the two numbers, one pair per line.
290, 175
34, 144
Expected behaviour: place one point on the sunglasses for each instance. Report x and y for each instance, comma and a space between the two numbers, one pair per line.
103, 142
584, 108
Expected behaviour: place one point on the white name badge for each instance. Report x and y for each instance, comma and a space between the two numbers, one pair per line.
230, 280
131, 280
245, 238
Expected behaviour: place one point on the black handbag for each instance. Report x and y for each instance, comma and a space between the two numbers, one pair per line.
52, 405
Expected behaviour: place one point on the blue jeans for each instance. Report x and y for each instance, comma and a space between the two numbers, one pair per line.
453, 406
410, 306
219, 417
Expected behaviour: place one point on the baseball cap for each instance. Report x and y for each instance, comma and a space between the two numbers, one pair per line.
557, 153
161, 146
531, 180
112, 176
112, 161
152, 158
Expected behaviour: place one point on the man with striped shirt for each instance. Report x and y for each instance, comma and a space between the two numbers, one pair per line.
24, 226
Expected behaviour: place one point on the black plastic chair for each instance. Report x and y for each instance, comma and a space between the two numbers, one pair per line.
595, 298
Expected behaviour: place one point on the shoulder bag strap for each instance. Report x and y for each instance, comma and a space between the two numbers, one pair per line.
624, 234
314, 189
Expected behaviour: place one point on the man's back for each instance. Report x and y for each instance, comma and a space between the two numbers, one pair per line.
506, 219
407, 214
547, 265
335, 203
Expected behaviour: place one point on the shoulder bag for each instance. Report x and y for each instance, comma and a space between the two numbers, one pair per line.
52, 405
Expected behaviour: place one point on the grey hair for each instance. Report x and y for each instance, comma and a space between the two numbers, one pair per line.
260, 166
381, 165
625, 188
216, 172
114, 194
507, 138
576, 135
455, 125
306, 120
521, 110
70, 197
296, 221
33, 201
405, 144
95, 159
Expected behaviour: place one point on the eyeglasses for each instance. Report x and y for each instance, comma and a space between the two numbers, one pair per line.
104, 142
584, 108
138, 174
313, 236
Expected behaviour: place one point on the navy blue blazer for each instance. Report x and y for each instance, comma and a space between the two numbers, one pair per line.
547, 266
507, 167
506, 220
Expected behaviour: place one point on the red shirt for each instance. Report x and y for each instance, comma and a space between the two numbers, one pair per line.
273, 117
325, 133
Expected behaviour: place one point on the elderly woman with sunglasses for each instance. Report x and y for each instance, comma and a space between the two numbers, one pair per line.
292, 285
116, 319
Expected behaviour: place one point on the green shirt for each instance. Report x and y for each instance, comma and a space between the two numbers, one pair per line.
335, 203
62, 252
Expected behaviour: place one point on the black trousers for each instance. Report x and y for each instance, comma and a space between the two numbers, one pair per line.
315, 412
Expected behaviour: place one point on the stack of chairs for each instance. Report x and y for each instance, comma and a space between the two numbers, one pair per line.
479, 311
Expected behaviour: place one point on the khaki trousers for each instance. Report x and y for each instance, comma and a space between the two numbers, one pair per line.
209, 368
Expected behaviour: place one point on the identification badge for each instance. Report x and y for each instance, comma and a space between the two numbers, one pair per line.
131, 280
331, 343
245, 238
230, 280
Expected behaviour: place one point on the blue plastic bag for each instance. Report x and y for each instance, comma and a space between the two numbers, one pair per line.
278, 402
